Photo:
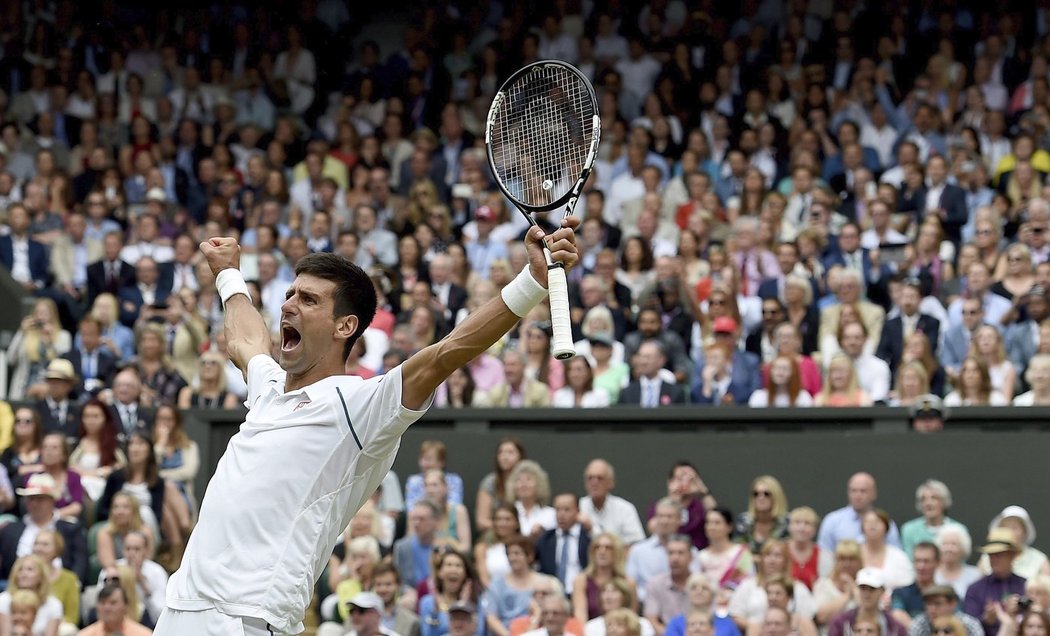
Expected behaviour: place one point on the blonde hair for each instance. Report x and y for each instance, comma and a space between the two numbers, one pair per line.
368, 546
220, 382
851, 383
529, 467
43, 587
780, 503
31, 343
128, 582
844, 548
25, 599
625, 617
807, 512
619, 566
136, 517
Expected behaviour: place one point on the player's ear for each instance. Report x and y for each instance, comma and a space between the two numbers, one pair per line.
347, 325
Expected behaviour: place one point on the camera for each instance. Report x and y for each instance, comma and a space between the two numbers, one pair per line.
1024, 604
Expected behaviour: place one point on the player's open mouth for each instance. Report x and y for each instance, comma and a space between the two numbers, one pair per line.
290, 338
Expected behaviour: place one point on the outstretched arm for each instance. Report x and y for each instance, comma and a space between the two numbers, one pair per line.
246, 332
423, 372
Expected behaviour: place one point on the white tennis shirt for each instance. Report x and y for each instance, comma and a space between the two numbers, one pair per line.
300, 467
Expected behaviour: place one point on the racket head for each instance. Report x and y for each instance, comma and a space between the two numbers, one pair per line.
542, 134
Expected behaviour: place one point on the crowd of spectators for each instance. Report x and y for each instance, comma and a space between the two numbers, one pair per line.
802, 203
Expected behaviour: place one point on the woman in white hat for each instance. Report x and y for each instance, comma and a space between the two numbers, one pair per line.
1030, 562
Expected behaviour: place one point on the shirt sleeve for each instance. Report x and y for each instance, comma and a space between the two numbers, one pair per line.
263, 372
377, 415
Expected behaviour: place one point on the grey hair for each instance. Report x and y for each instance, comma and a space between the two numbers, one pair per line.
965, 542
938, 488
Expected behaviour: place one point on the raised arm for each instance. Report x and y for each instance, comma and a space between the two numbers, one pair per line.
423, 372
246, 333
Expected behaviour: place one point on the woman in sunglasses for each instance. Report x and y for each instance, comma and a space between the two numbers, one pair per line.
766, 514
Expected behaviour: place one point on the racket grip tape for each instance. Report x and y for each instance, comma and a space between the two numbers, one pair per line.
561, 345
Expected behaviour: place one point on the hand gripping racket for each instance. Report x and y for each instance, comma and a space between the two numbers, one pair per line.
542, 136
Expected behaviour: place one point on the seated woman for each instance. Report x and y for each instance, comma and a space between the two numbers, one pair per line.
123, 518
789, 344
918, 348
454, 523
432, 454
529, 488
987, 345
490, 553
1037, 375
616, 596
933, 500
353, 575
454, 580
39, 340
22, 457
24, 608
783, 386
65, 586
579, 391
624, 622
54, 457
876, 553
975, 386
724, 561
841, 388
766, 514
207, 390
493, 487
97, 454
749, 603
833, 593
509, 597
160, 505
702, 592
780, 594
912, 382
606, 562
955, 544
177, 454
32, 574
808, 561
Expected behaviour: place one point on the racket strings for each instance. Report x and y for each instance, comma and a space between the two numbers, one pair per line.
542, 134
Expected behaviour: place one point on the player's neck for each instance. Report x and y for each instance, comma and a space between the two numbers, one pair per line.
322, 370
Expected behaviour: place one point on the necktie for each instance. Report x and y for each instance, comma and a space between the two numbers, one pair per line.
111, 274
89, 366
653, 397
563, 556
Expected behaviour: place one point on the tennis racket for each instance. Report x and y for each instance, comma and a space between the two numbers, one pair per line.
542, 136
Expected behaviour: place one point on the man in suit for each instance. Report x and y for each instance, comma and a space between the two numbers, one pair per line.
57, 409
451, 296
787, 259
652, 388
39, 496
956, 343
762, 342
1023, 338
24, 258
651, 327
126, 409
110, 273
516, 390
851, 256
945, 200
70, 254
147, 291
897, 329
412, 552
562, 551
92, 362
727, 375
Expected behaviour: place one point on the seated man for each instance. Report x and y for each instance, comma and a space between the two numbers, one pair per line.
909, 601
985, 594
652, 388
516, 390
938, 601
547, 587
39, 496
870, 588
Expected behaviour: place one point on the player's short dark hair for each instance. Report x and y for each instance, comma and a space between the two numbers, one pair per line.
354, 292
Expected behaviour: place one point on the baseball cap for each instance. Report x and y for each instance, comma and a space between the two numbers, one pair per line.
1000, 540
39, 484
60, 369
464, 607
870, 577
485, 213
367, 600
724, 324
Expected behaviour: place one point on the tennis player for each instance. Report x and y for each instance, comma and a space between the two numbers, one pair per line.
316, 443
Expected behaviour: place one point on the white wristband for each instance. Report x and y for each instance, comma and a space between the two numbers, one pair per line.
523, 293
229, 283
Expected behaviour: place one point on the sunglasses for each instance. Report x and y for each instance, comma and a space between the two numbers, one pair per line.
716, 302
111, 579
761, 493
943, 630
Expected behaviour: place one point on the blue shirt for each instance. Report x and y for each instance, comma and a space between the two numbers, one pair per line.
909, 599
421, 559
724, 626
414, 489
844, 523
434, 622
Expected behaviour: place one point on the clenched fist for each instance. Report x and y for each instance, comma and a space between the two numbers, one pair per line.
222, 253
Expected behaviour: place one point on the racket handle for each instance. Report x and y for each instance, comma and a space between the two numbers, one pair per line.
561, 345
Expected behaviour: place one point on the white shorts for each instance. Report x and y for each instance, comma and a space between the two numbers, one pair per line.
210, 622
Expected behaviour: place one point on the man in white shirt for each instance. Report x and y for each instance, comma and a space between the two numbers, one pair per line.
316, 443
555, 44
555, 614
881, 231
148, 230
375, 244
151, 581
978, 285
604, 511
873, 374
